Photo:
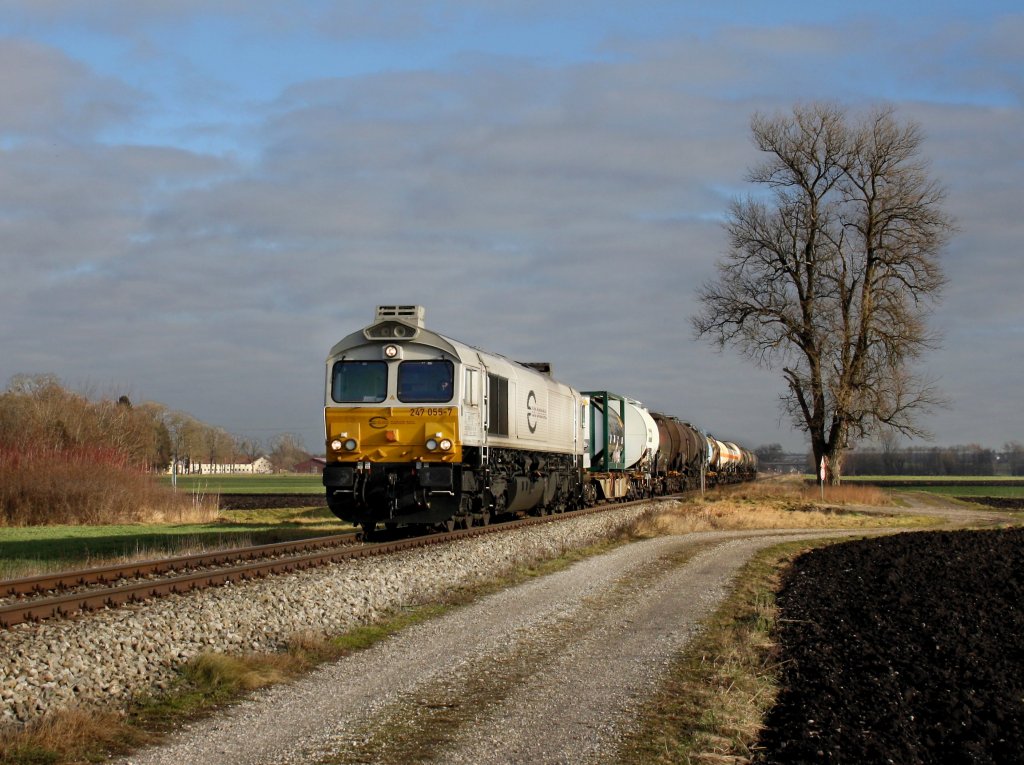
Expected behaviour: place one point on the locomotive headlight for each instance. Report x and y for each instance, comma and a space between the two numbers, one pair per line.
432, 444
336, 444
351, 444
391, 351
445, 444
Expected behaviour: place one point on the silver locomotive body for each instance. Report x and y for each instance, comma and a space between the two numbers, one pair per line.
422, 429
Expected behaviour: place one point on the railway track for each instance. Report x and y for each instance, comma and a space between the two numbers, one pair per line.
67, 594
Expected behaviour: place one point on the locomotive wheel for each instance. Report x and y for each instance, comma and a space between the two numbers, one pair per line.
368, 529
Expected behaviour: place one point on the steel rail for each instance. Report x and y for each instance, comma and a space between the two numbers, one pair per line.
63, 580
73, 604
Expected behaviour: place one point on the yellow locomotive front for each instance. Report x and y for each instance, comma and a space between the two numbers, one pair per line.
391, 420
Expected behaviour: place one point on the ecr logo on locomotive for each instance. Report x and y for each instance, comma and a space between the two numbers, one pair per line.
534, 413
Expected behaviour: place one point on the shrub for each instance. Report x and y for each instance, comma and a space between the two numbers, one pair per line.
86, 485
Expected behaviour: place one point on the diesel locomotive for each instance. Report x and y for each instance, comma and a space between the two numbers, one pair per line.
424, 430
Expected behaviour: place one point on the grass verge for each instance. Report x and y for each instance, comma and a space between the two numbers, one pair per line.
710, 707
776, 505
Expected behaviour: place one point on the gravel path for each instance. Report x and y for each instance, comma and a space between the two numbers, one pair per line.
545, 672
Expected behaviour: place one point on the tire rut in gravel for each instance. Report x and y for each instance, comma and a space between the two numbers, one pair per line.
451, 707
578, 710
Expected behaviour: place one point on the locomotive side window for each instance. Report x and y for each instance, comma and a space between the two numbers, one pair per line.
359, 381
497, 406
421, 382
469, 394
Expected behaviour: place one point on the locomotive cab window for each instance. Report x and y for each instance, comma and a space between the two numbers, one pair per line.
359, 382
422, 382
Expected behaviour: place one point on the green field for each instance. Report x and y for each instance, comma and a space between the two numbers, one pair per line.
35, 549
248, 484
28, 550
950, 486
973, 490
1005, 487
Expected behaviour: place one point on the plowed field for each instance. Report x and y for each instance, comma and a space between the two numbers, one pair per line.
903, 649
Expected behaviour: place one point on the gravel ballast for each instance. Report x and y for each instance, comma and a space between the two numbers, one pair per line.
107, 657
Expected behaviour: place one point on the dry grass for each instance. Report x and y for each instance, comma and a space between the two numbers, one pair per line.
768, 505
710, 708
70, 736
787, 489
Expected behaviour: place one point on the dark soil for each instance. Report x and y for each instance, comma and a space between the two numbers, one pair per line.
1004, 503
265, 501
903, 649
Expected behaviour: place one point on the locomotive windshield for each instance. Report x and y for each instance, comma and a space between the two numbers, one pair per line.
359, 381
421, 382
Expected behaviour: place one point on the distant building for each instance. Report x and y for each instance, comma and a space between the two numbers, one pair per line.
314, 465
786, 463
259, 466
262, 465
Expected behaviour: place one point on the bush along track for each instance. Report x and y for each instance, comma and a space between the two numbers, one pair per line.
903, 649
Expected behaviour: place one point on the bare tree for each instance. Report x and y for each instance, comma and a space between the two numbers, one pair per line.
889, 445
1013, 454
831, 274
251, 448
287, 452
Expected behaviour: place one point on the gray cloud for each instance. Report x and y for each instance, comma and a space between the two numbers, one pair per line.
548, 212
49, 96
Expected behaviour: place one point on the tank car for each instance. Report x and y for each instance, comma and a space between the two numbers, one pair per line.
729, 463
682, 457
748, 465
424, 430
623, 445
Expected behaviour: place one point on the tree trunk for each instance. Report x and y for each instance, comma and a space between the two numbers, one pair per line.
833, 455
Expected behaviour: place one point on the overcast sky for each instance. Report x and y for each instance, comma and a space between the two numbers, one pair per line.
197, 199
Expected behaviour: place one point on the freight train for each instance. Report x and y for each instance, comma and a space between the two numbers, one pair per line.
423, 430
